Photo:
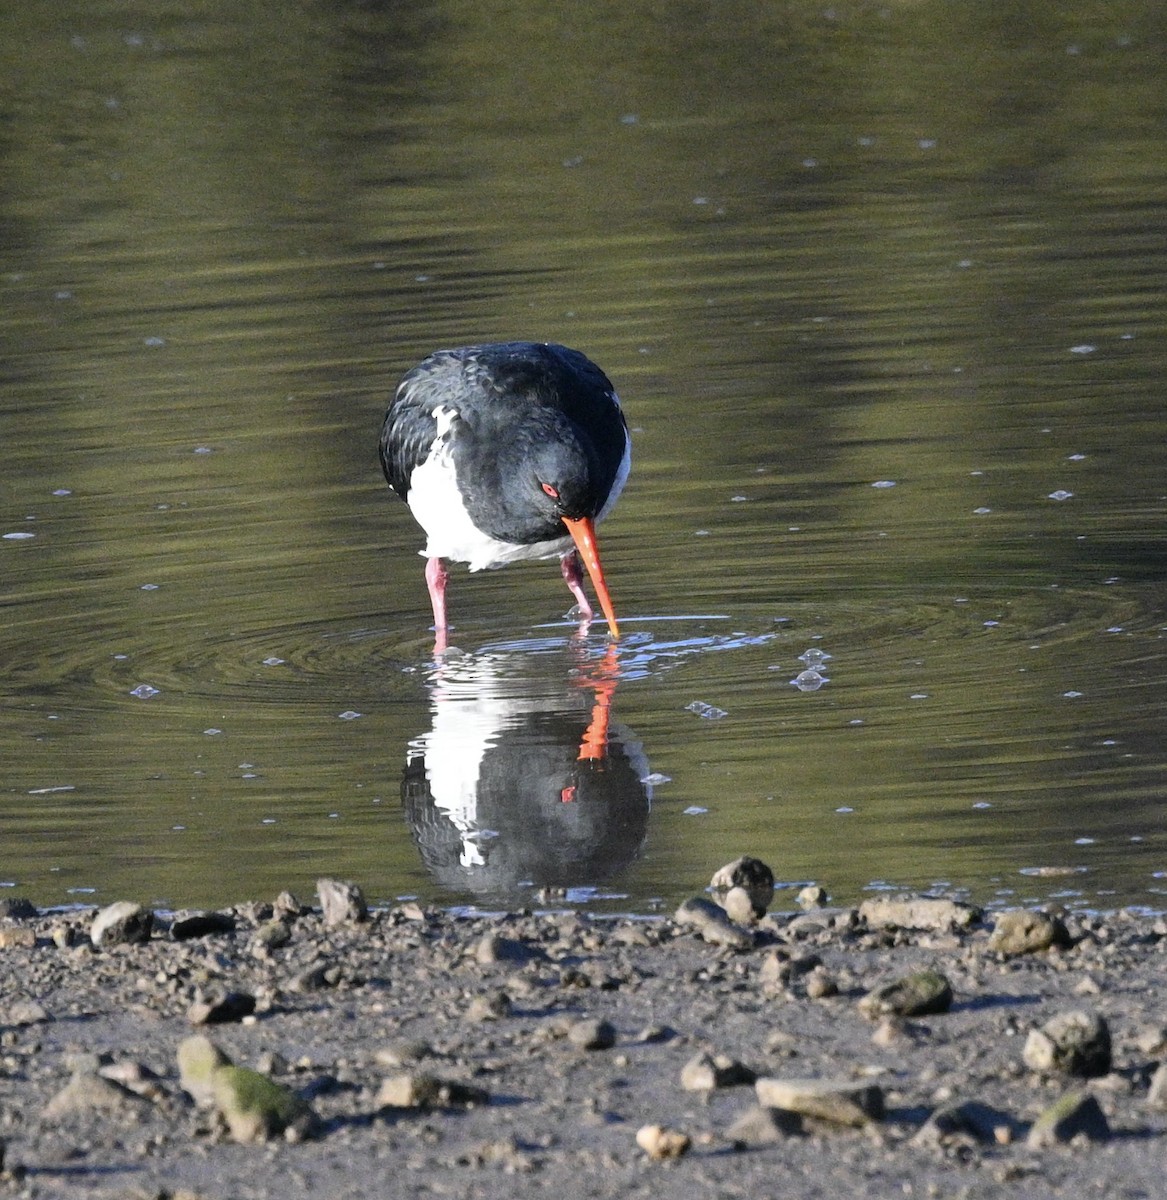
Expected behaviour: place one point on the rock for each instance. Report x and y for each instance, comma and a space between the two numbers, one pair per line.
271, 935
495, 949
753, 876
221, 1008
819, 985
658, 1142
16, 937
490, 1007
256, 1108
917, 912
419, 1089
26, 1012
592, 1034
841, 1101
739, 907
286, 907
1075, 1114
1157, 1093
711, 922
812, 896
123, 921
704, 1072
969, 1121
1021, 931
342, 903
914, 995
1074, 1043
17, 908
759, 1126
90, 1093
202, 924
198, 1060
402, 1051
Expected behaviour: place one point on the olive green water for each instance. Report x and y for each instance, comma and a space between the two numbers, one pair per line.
882, 288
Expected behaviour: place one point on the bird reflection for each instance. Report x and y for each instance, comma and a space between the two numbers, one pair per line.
524, 780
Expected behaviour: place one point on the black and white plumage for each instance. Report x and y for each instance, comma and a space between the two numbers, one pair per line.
508, 451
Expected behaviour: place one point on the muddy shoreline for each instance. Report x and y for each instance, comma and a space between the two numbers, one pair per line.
430, 1054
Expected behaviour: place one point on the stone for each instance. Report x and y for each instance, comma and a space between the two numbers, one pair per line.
271, 935
1157, 1093
495, 949
201, 924
712, 923
420, 1089
660, 1143
739, 907
25, 1012
750, 874
122, 921
256, 1108
87, 1092
198, 1060
17, 908
592, 1033
489, 1007
221, 1008
840, 1101
1074, 1043
704, 1072
812, 896
917, 912
759, 1126
1076, 1114
915, 995
1022, 931
970, 1121
342, 903
402, 1051
16, 937
820, 985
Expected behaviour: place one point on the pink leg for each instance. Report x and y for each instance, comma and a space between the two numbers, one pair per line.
573, 576
435, 579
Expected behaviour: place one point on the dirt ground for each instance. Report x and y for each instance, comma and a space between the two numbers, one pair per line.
524, 1053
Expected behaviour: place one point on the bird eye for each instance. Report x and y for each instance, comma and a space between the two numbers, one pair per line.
550, 491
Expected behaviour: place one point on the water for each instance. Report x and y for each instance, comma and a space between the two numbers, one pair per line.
881, 290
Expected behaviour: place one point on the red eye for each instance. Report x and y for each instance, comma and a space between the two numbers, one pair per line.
550, 491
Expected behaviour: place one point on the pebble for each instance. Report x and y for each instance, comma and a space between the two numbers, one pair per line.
915, 995
759, 1126
658, 1142
1024, 931
1157, 1093
342, 903
967, 1121
752, 876
1074, 1043
840, 1101
704, 1072
592, 1033
489, 1007
13, 937
122, 921
812, 896
712, 923
495, 949
419, 1089
87, 1092
202, 924
917, 912
220, 1008
256, 1108
1076, 1114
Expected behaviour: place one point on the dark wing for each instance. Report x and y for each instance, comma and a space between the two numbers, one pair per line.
411, 424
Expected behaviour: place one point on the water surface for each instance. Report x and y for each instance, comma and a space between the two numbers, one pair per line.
881, 289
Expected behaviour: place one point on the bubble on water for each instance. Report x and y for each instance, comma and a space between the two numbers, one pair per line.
1071, 695
656, 778
273, 661
694, 810
212, 732
809, 680
1061, 494
813, 656
708, 712
144, 691
19, 536
884, 483
1083, 348
349, 715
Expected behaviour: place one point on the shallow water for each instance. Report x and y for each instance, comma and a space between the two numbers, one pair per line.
882, 293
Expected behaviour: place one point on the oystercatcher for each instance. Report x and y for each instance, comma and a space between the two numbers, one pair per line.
508, 451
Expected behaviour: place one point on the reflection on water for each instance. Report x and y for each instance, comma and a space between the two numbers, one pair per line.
524, 781
881, 290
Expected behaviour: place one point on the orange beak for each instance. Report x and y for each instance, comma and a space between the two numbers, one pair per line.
583, 533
